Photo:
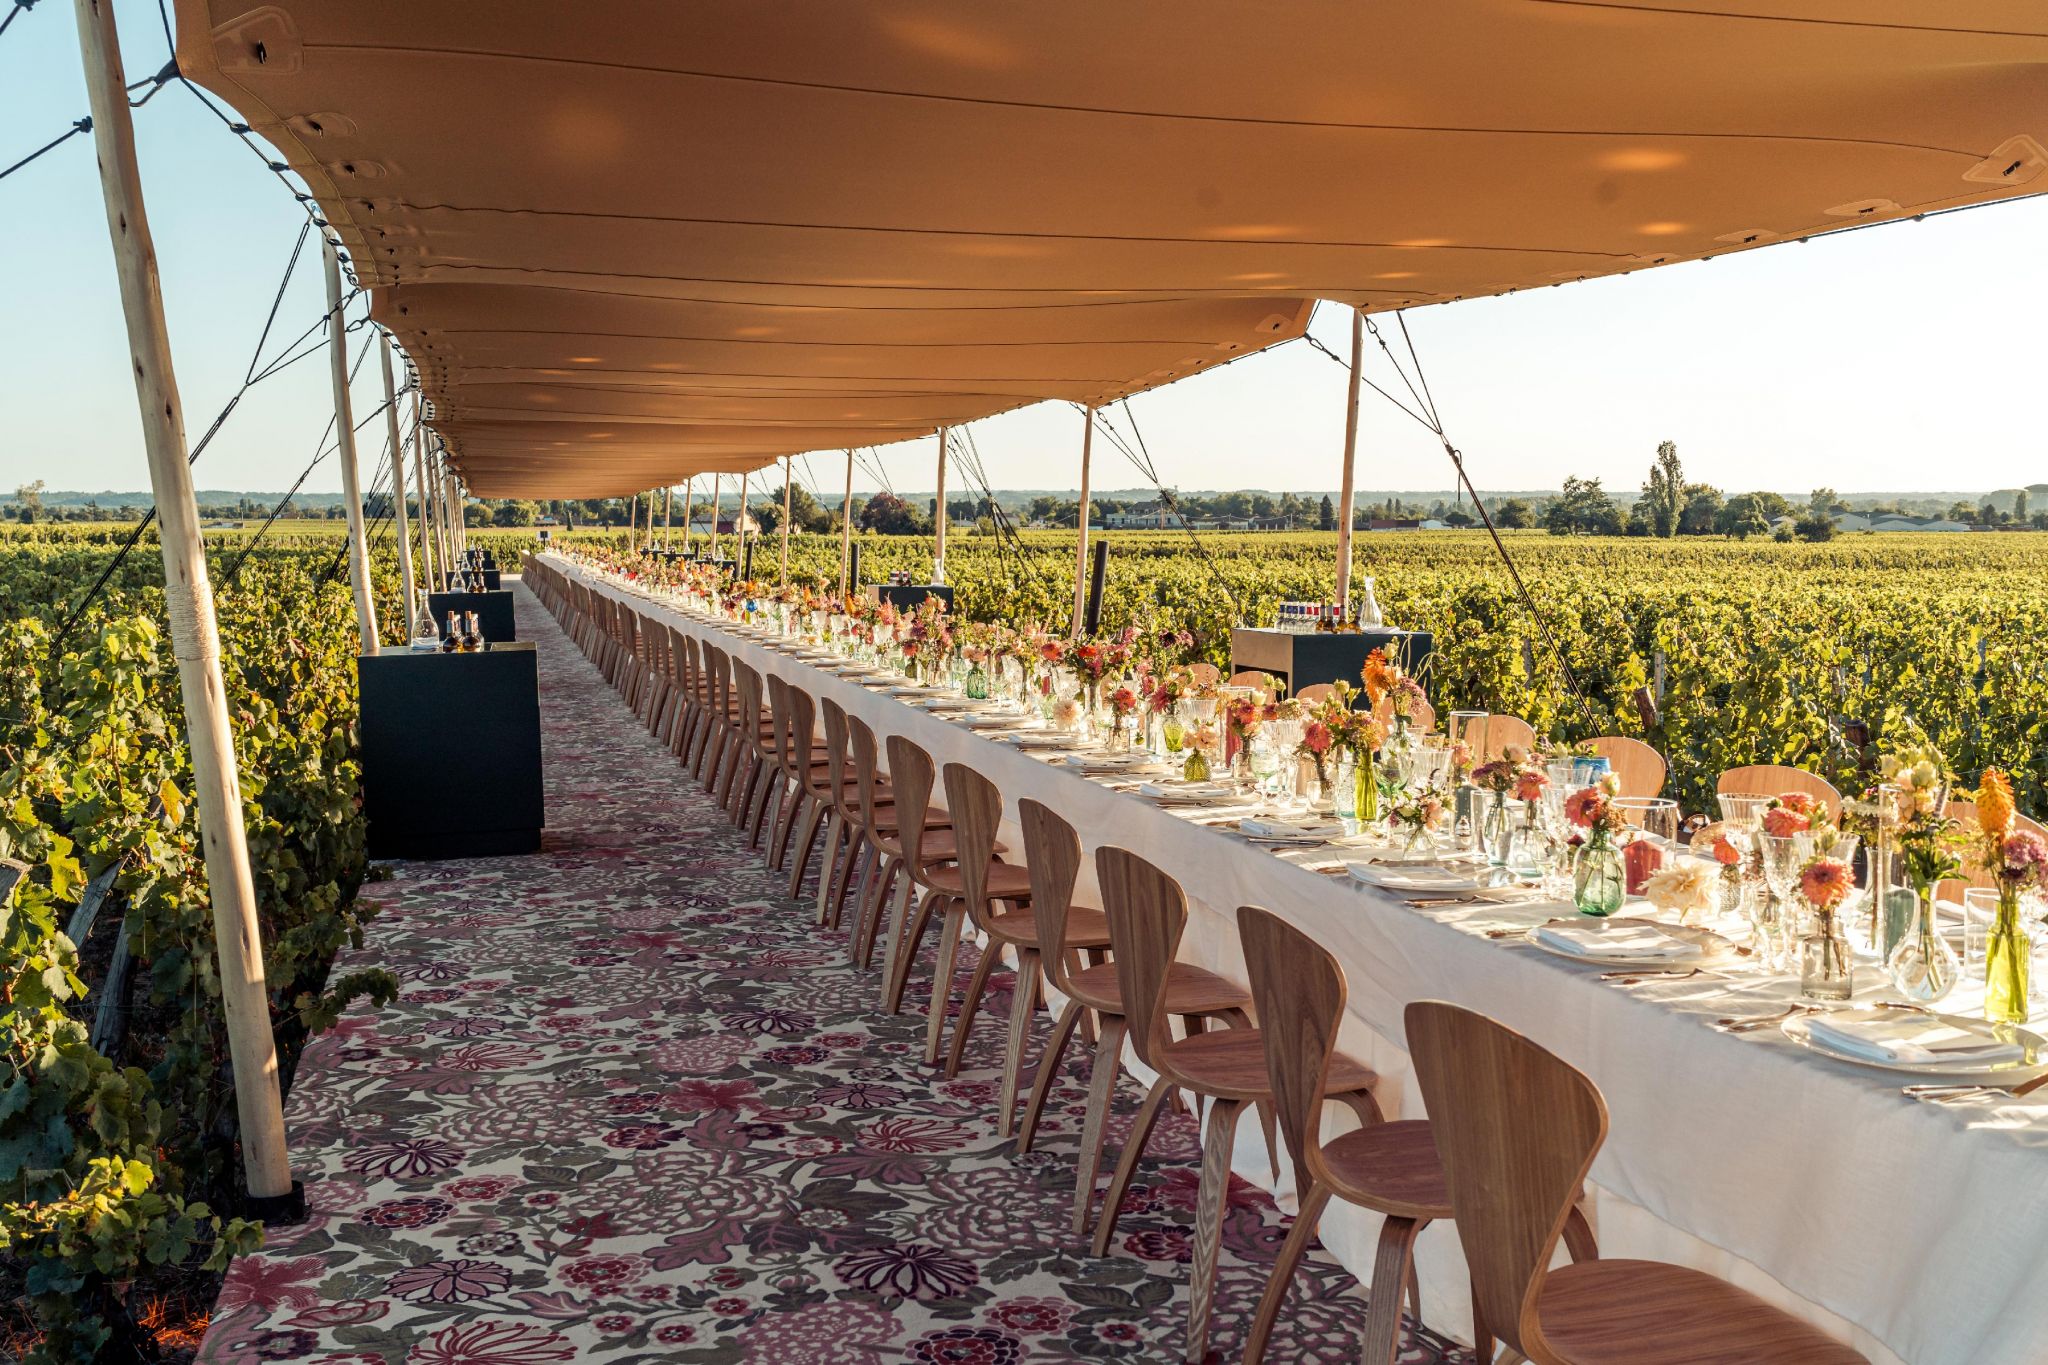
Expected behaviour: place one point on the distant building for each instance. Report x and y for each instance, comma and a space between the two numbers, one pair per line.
1394, 524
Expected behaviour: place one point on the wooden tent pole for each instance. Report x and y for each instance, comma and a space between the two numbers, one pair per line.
714, 516
739, 556
939, 517
345, 434
689, 496
419, 477
195, 634
846, 531
404, 534
1081, 550
785, 522
668, 508
1349, 492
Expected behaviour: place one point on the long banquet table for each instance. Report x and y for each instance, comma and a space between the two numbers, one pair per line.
1915, 1232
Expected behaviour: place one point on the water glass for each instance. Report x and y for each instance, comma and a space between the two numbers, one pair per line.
1980, 911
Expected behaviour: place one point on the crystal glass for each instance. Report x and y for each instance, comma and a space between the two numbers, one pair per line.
1980, 913
1468, 728
1772, 914
1744, 812
1923, 967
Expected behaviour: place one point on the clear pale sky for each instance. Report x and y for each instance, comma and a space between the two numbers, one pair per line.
1900, 358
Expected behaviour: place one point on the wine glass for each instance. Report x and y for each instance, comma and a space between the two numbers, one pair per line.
1744, 812
1783, 857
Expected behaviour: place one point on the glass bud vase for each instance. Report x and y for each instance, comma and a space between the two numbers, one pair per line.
1826, 970
1366, 792
976, 686
1196, 769
1497, 833
1923, 967
1598, 877
2007, 963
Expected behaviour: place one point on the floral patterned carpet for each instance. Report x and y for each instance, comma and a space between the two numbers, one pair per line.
634, 1107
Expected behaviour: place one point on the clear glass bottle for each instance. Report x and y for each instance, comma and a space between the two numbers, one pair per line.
1923, 967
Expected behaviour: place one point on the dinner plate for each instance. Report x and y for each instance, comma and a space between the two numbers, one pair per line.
1193, 794
1416, 880
2034, 1064
1714, 949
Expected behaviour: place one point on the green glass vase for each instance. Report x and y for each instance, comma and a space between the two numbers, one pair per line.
1599, 878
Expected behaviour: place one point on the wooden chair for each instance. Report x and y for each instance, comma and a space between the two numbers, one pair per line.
1205, 675
1503, 731
1147, 914
842, 837
1314, 693
1771, 779
879, 814
1052, 853
986, 882
1517, 1129
1639, 768
1252, 677
1964, 810
1390, 1168
921, 840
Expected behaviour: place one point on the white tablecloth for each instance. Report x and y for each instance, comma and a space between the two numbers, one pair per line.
1915, 1233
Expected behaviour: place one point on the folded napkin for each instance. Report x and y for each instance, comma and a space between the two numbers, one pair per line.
1632, 939
1187, 793
1438, 880
1314, 831
1909, 1039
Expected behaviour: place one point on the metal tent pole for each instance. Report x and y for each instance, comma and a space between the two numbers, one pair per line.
405, 584
1081, 549
1349, 491
345, 434
195, 634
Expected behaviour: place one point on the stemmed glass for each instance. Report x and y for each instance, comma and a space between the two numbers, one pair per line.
1774, 916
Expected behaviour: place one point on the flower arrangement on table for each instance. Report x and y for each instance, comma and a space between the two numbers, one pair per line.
927, 638
1688, 888
1388, 682
1599, 879
2017, 861
1416, 815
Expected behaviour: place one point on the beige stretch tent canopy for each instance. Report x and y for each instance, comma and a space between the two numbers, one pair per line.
624, 242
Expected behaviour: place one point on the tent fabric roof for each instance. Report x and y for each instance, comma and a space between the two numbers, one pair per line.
823, 220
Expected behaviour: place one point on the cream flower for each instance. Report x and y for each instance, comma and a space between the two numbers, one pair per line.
1686, 888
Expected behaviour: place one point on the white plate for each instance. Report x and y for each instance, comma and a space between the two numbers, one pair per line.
1713, 949
1415, 880
1193, 794
2003, 1073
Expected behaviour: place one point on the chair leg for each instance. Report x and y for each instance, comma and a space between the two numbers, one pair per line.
1048, 1072
991, 952
1127, 1164
1023, 1005
834, 836
842, 882
1209, 1206
892, 950
871, 914
809, 819
906, 958
1102, 1076
942, 980
1291, 1251
1389, 1280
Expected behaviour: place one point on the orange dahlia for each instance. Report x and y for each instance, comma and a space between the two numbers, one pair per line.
1825, 882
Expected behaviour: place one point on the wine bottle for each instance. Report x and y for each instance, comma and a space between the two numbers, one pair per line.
451, 639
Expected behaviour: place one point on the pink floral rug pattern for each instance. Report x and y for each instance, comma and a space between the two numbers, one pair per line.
634, 1107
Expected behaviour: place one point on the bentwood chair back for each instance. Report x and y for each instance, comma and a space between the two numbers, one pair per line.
1205, 675
1503, 731
975, 806
1639, 768
817, 783
1771, 779
1052, 854
910, 845
776, 776
1147, 913
840, 847
1252, 677
1965, 811
1299, 992
1423, 719
1516, 1129
1315, 693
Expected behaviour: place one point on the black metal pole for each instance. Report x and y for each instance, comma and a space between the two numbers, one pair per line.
853, 571
1091, 620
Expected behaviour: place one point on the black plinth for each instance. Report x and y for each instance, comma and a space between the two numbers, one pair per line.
1303, 660
910, 596
493, 611
493, 579
451, 752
